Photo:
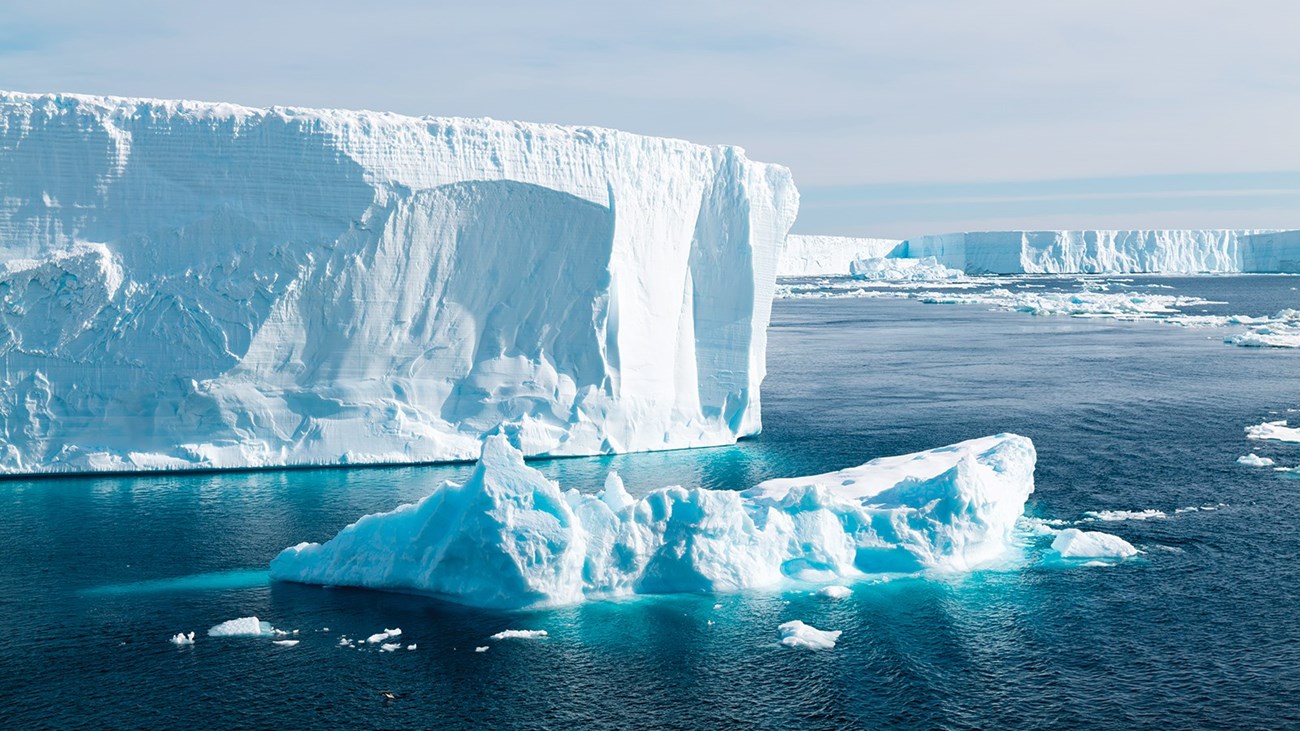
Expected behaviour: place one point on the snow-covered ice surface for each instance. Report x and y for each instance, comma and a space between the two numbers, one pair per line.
284, 643
195, 285
243, 627
927, 269
509, 537
1254, 460
815, 256
796, 633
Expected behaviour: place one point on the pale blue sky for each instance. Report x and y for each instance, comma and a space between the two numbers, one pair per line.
896, 117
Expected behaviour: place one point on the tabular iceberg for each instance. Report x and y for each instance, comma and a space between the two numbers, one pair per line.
1087, 252
204, 285
815, 256
509, 537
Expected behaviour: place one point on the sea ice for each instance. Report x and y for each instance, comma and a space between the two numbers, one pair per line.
390, 646
385, 635
338, 287
798, 634
1117, 515
1075, 543
835, 592
509, 537
1254, 460
1276, 431
183, 638
482, 648
243, 627
284, 643
519, 634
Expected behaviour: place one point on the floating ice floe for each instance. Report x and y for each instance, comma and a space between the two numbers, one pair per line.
1254, 460
927, 269
284, 643
519, 634
385, 635
797, 634
181, 639
1078, 544
1280, 331
1275, 431
411, 646
390, 646
1117, 515
244, 627
835, 592
509, 537
482, 648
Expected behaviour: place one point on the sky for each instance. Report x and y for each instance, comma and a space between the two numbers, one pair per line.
897, 118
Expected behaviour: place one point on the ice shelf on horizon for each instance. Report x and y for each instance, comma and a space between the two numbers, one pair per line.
197, 285
510, 537
1152, 251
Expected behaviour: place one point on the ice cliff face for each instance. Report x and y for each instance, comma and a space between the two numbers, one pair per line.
1068, 252
813, 256
1277, 251
509, 537
205, 285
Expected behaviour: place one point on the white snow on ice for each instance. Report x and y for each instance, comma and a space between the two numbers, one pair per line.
1276, 431
1079, 544
835, 591
284, 643
1254, 460
244, 627
906, 270
797, 634
181, 639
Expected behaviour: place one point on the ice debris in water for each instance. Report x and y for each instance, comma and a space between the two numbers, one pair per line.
797, 634
181, 639
1080, 544
509, 537
390, 646
385, 635
411, 646
1276, 431
1116, 515
284, 643
902, 269
243, 627
483, 648
519, 634
1254, 460
835, 592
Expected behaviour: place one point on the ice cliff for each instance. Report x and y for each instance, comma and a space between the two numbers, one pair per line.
1088, 252
509, 537
811, 256
194, 285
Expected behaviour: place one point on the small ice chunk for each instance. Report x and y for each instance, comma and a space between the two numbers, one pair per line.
411, 646
1254, 460
835, 591
242, 627
387, 634
484, 648
345, 642
797, 634
181, 639
1115, 515
390, 646
519, 634
717, 606
284, 643
1075, 543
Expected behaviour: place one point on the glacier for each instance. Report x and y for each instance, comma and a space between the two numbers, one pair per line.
1099, 251
814, 256
197, 285
509, 537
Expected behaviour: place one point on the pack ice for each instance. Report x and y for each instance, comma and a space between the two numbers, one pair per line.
188, 285
509, 537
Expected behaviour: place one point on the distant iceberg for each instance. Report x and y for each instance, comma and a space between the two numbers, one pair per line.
884, 269
509, 537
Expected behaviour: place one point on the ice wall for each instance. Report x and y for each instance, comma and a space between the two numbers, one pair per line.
191, 285
1060, 252
1271, 252
812, 256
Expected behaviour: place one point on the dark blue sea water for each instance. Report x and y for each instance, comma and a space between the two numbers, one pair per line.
1202, 631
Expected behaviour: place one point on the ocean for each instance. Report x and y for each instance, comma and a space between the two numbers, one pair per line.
1199, 631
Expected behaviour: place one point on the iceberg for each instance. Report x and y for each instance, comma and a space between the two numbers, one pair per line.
820, 256
509, 537
884, 269
196, 285
1095, 251
798, 634
244, 627
1080, 544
